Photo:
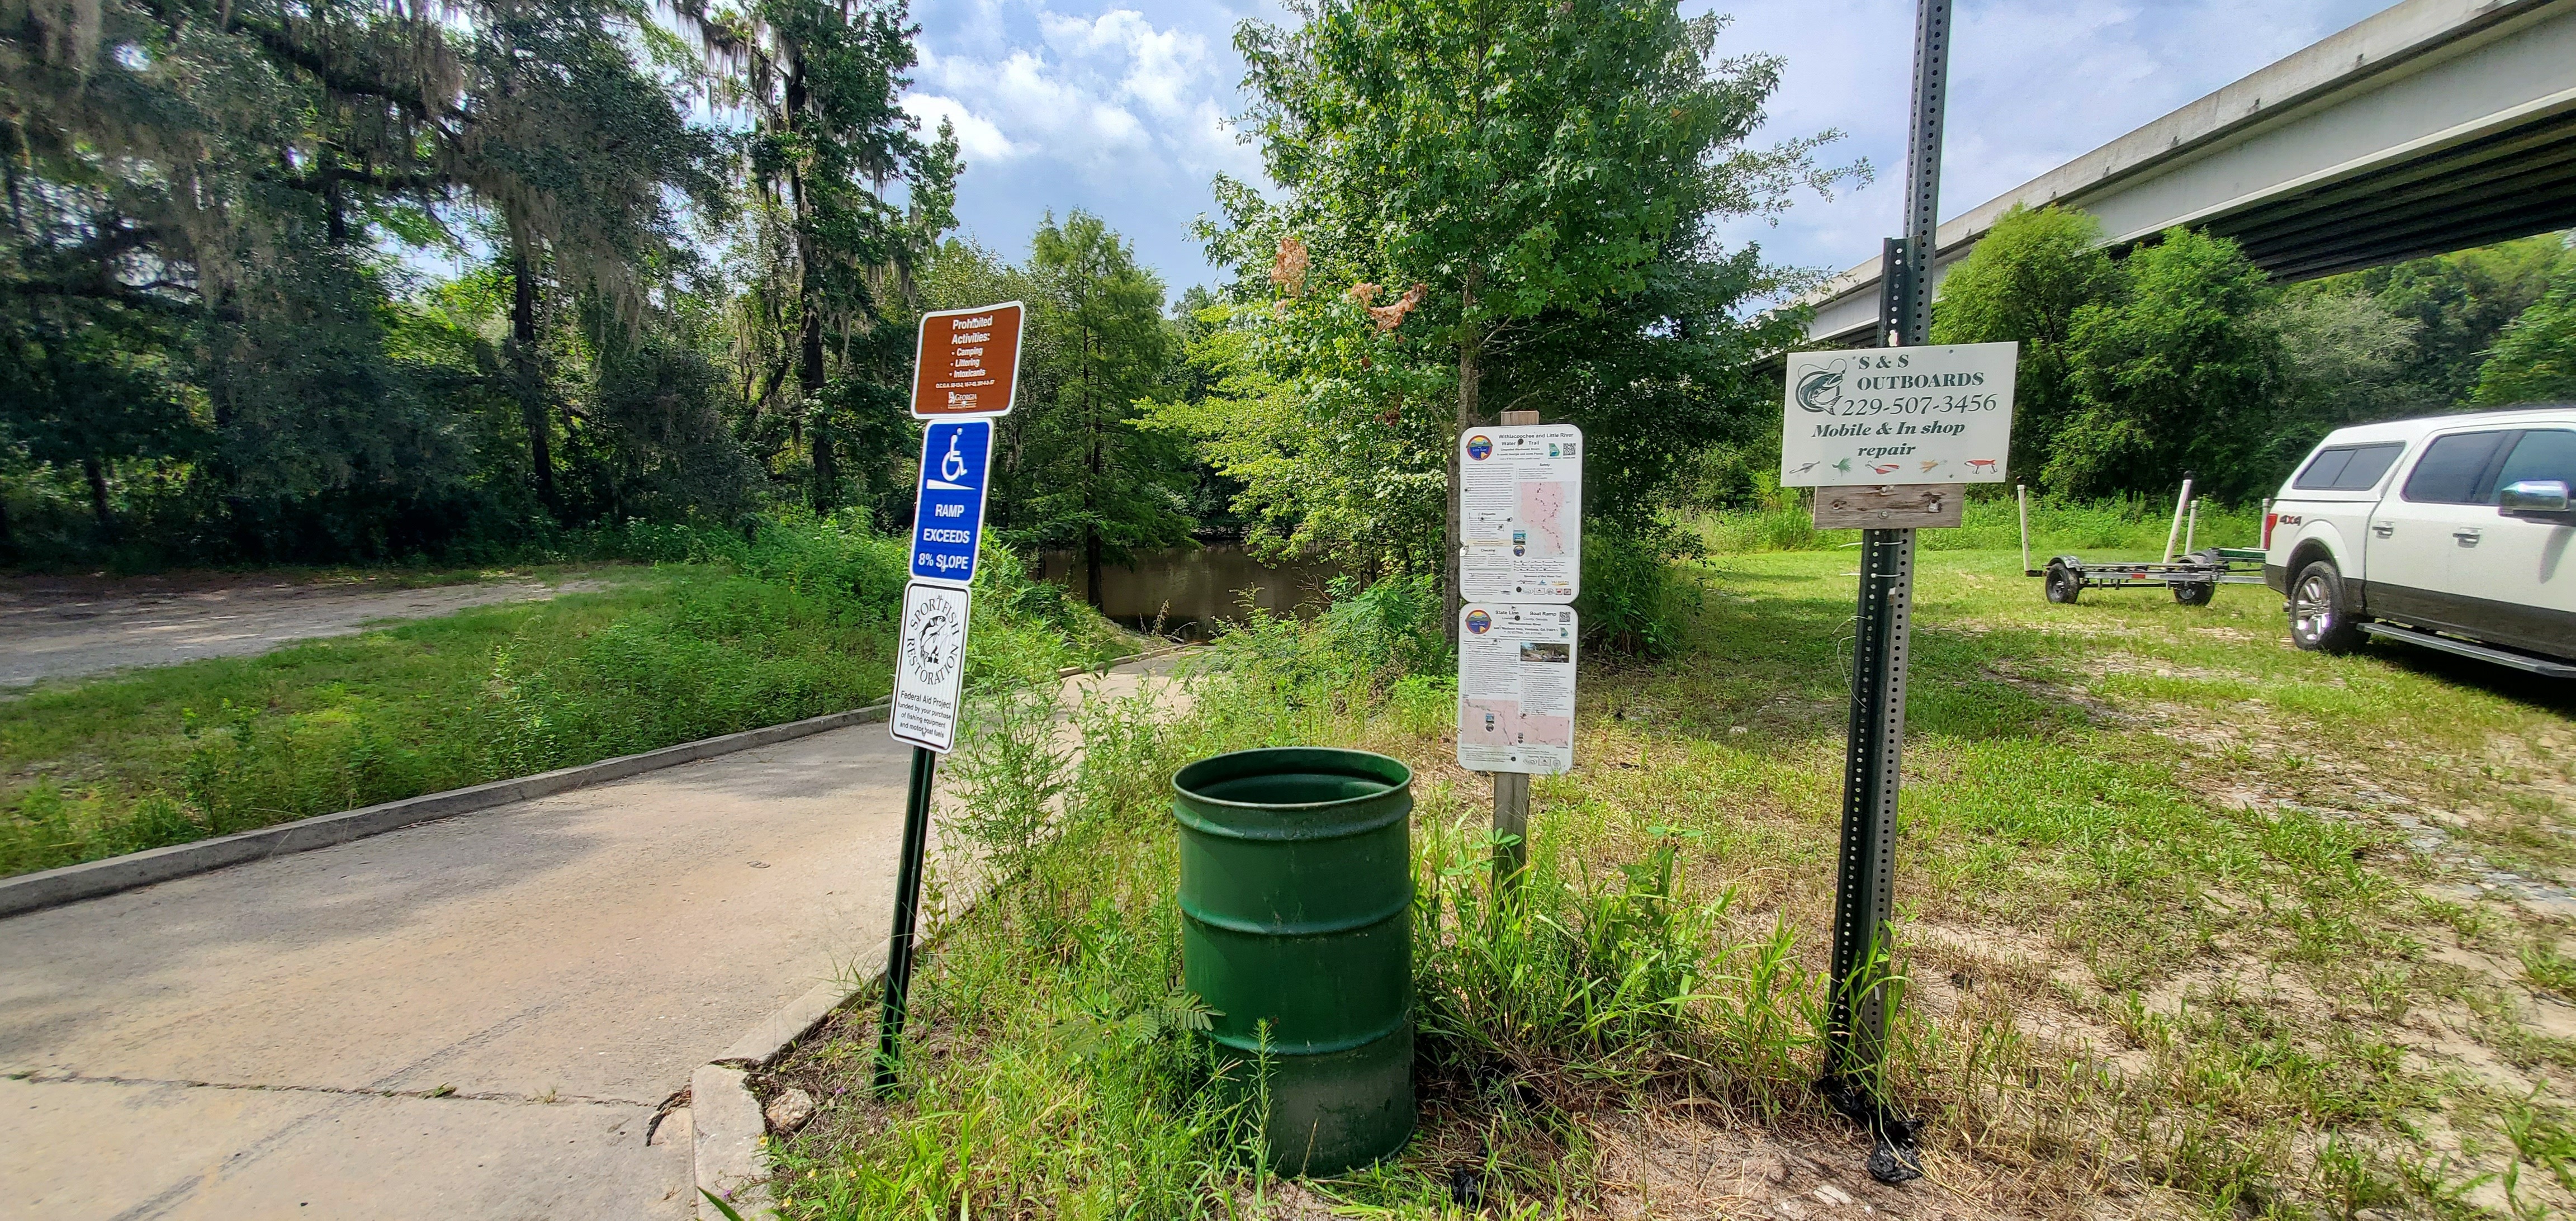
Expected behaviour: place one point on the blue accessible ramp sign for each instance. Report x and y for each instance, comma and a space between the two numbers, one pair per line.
948, 512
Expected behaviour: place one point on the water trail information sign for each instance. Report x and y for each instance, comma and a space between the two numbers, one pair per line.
1940, 414
948, 503
967, 362
930, 666
1516, 687
1520, 513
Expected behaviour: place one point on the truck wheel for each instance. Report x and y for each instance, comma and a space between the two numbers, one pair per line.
2063, 584
2320, 618
2197, 593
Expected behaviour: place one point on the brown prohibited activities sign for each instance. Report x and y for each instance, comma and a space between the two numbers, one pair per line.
968, 362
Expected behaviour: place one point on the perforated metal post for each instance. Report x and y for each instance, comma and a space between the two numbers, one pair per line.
1865, 883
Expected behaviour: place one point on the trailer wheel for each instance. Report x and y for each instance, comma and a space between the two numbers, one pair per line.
2320, 617
2063, 585
2196, 593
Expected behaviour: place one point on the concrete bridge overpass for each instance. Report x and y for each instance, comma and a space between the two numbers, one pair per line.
2435, 125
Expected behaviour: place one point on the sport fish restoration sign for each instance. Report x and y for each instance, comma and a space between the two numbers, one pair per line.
967, 361
930, 666
1934, 414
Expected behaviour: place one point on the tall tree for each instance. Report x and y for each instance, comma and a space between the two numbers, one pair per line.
1543, 168
88, 393
243, 161
2534, 360
2459, 303
2025, 282
824, 81
1088, 477
2180, 374
577, 151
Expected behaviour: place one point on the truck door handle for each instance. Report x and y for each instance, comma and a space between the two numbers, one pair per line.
2469, 537
2383, 529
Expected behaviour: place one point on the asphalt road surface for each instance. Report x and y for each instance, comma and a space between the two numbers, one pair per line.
471, 1018
53, 628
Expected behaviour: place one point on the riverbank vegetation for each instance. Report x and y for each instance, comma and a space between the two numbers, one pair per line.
716, 634
2193, 924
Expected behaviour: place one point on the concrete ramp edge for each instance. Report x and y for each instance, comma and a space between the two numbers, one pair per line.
91, 879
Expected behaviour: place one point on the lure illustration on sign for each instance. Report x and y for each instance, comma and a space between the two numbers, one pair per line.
948, 503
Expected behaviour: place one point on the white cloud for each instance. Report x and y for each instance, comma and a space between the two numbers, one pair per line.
976, 135
1119, 109
2033, 83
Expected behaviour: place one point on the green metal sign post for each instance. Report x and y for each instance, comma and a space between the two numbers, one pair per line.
1865, 883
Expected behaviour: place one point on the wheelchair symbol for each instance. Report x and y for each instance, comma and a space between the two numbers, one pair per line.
953, 467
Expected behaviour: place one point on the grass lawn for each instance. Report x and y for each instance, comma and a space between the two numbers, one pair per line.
798, 625
2191, 924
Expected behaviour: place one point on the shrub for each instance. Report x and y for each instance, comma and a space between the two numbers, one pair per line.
1634, 601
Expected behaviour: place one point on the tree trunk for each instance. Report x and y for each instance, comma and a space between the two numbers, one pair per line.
97, 473
1091, 569
530, 381
826, 491
335, 202
1471, 345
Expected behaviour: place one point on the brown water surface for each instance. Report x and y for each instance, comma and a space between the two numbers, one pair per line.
1186, 587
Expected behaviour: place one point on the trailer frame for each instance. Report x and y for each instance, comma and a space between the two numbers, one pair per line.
2194, 577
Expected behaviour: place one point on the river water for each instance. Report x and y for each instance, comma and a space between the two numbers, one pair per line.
1188, 587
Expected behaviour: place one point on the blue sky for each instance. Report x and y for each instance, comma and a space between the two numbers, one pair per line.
1119, 107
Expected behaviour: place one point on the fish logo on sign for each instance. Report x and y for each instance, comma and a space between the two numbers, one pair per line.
1821, 390
1480, 447
935, 641
1479, 622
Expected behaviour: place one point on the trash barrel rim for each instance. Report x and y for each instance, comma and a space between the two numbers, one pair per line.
1182, 779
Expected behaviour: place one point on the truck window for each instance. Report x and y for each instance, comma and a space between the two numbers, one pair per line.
2347, 468
2542, 453
2453, 470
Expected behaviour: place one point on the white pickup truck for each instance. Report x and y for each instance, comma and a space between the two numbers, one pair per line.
2455, 532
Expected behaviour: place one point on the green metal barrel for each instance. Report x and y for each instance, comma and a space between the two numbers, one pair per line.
1296, 927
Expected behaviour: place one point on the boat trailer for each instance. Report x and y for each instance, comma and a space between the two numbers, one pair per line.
2193, 576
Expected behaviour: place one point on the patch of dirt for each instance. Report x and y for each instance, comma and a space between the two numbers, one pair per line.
1672, 1168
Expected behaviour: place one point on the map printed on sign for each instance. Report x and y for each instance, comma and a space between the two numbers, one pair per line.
1520, 513
930, 666
1516, 687
968, 362
1935, 414
948, 504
